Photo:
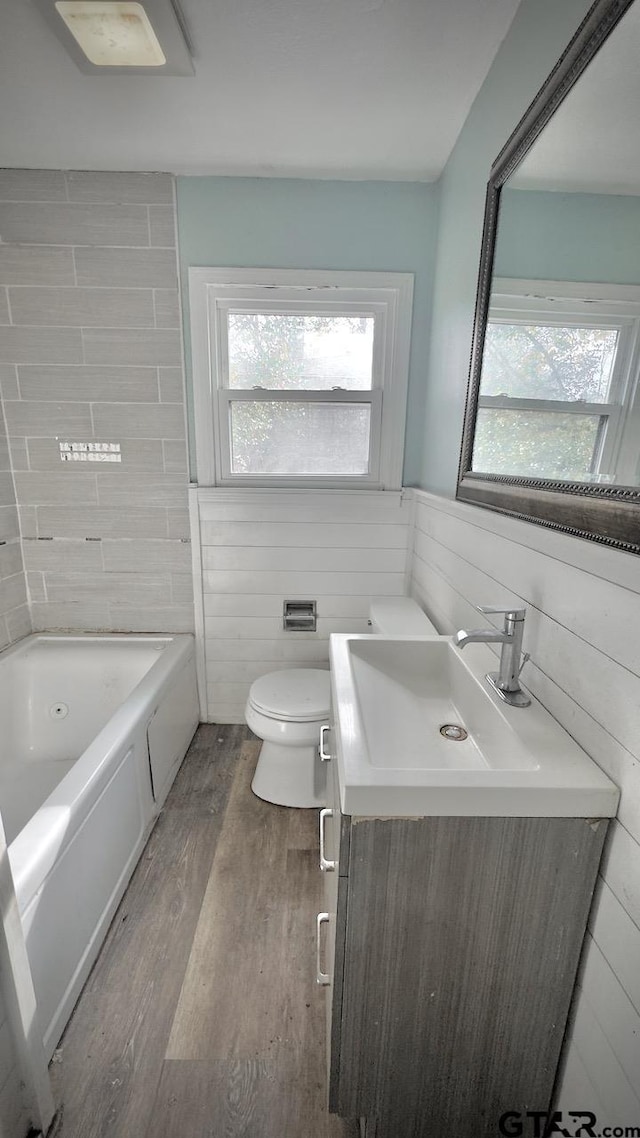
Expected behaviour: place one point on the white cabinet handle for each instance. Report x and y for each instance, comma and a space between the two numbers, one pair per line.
321, 977
325, 865
324, 756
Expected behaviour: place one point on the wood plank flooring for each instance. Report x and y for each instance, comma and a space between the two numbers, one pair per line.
201, 1017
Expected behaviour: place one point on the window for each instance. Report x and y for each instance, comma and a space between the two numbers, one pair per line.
300, 378
558, 383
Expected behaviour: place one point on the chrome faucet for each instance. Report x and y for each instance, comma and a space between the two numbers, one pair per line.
506, 681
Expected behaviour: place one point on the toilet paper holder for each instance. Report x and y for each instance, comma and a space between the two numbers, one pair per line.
299, 616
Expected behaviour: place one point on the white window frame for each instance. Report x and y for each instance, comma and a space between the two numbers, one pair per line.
386, 296
581, 304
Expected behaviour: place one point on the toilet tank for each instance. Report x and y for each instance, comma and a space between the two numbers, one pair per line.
399, 616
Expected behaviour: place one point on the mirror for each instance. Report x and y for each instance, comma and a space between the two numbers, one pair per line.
552, 429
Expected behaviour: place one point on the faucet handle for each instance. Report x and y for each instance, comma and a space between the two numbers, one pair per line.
510, 613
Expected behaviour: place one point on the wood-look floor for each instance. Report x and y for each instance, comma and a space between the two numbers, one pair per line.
201, 1017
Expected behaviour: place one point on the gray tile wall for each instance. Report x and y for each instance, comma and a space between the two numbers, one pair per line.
90, 350
15, 621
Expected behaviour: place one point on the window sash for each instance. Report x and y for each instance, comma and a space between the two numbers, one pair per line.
624, 328
610, 415
574, 406
563, 310
226, 396
221, 310
295, 395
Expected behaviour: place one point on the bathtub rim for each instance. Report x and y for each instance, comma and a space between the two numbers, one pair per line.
80, 788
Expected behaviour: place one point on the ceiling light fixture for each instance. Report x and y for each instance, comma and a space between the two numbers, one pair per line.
112, 34
121, 36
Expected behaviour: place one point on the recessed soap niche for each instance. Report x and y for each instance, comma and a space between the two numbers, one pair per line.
90, 452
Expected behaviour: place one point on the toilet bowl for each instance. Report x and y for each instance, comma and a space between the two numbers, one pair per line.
287, 709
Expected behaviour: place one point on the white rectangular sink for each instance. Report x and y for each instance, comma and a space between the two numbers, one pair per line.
419, 732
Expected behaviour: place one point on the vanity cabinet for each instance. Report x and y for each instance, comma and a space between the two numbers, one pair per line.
450, 951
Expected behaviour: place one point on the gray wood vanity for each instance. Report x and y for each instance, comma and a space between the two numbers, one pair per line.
450, 954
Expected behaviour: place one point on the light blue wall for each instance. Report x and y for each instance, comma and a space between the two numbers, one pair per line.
540, 31
569, 237
291, 223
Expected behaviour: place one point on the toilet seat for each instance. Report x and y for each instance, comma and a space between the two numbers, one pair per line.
295, 695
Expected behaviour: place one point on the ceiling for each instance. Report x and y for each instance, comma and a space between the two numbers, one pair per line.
591, 143
299, 88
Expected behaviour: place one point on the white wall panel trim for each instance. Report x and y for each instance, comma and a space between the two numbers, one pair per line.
601, 561
198, 599
257, 547
311, 499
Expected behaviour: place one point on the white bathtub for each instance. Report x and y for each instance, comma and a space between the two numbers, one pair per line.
92, 732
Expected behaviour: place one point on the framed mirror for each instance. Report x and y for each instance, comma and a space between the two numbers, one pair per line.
552, 424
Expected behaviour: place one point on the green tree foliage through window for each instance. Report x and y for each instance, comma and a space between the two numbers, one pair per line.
282, 351
538, 361
536, 444
544, 364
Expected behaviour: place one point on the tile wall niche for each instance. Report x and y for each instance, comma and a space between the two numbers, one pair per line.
90, 350
254, 549
581, 627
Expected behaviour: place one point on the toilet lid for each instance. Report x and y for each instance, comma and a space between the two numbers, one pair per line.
298, 695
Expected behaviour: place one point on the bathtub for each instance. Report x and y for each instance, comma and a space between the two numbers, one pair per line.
92, 732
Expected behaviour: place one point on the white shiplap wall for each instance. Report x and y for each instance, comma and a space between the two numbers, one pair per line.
583, 633
258, 548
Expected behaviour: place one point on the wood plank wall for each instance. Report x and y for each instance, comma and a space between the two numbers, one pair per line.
583, 633
258, 548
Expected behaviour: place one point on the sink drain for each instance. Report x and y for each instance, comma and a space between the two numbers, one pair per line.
453, 731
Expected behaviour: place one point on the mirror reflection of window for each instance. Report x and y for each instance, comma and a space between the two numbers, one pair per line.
559, 386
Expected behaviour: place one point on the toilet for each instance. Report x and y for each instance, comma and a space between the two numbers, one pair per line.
287, 709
